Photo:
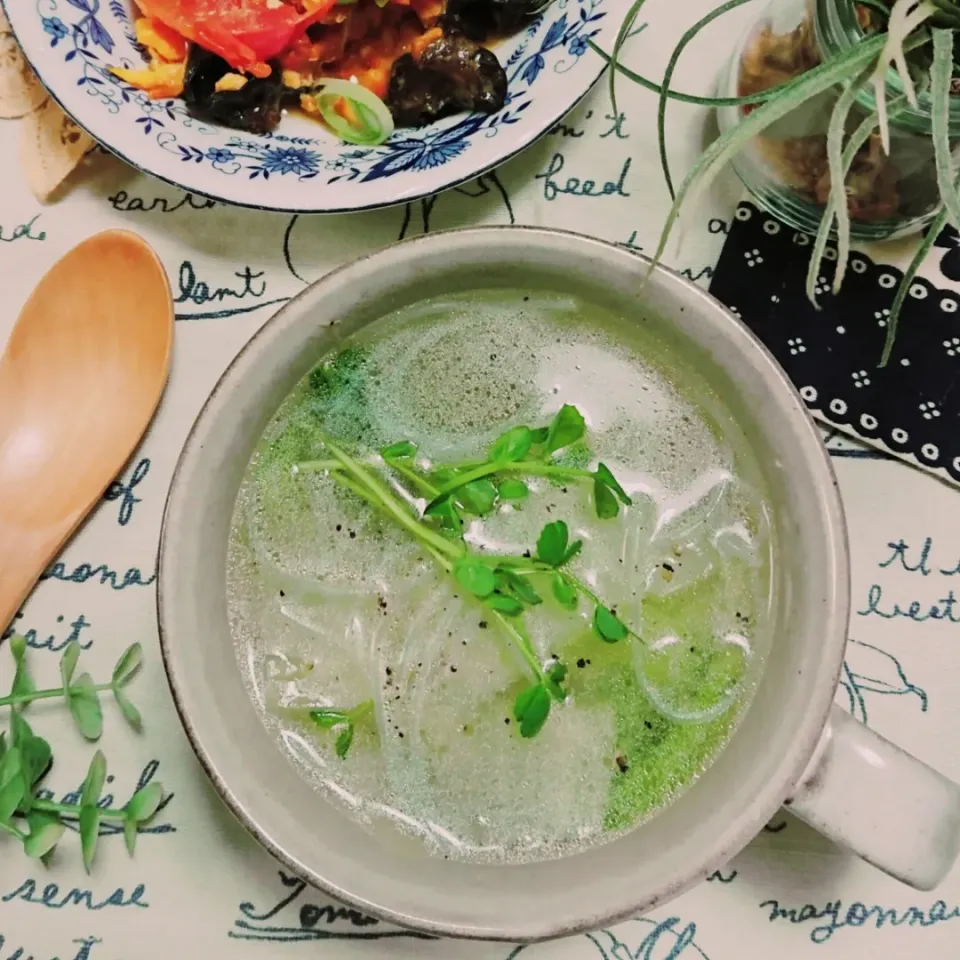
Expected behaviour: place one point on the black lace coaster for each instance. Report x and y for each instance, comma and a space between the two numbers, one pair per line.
910, 407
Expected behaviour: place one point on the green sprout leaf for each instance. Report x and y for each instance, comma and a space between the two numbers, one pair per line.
568, 427
531, 709
89, 822
540, 435
446, 512
10, 765
342, 745
93, 783
563, 593
604, 500
552, 543
22, 683
130, 713
130, 835
478, 496
519, 585
402, 449
12, 793
571, 552
142, 806
513, 490
511, 446
327, 717
555, 677
18, 647
508, 606
604, 475
68, 663
607, 626
127, 666
36, 757
475, 576
45, 832
85, 707
20, 731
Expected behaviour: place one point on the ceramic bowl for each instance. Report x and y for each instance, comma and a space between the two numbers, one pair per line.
709, 823
300, 167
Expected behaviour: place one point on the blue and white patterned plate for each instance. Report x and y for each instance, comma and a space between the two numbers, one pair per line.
300, 167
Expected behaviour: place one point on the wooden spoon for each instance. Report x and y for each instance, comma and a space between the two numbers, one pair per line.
80, 379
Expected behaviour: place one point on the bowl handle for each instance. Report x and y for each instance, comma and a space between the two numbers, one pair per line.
880, 802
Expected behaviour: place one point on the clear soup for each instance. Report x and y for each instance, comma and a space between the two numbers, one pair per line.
385, 668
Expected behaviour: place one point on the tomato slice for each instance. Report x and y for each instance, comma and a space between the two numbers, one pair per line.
244, 32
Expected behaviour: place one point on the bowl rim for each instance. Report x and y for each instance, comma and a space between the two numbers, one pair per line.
408, 197
790, 767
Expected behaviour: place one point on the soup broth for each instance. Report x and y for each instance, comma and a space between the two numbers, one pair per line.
399, 687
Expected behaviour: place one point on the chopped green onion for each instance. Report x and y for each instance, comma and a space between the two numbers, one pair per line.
371, 123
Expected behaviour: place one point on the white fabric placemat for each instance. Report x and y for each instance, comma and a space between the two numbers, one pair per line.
198, 885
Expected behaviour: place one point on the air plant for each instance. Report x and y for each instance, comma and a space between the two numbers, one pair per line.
907, 29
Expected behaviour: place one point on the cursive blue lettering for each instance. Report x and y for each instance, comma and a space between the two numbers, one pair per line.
122, 201
858, 915
312, 920
899, 555
55, 898
197, 291
23, 231
616, 127
575, 188
562, 130
916, 611
702, 273
86, 945
133, 577
51, 642
124, 491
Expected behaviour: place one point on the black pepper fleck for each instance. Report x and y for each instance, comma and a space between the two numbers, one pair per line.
622, 764
648, 724
581, 663
483, 624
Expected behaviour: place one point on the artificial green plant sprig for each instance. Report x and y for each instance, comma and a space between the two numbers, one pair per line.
35, 820
503, 584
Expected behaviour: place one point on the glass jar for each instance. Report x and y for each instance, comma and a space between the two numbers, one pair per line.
785, 168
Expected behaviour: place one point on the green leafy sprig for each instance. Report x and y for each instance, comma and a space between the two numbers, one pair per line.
341, 720
37, 822
505, 585
476, 487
